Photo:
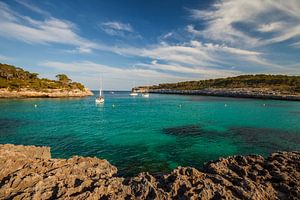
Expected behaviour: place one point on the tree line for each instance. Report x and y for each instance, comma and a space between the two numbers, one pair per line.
273, 82
12, 77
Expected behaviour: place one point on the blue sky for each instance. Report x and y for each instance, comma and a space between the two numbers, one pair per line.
150, 42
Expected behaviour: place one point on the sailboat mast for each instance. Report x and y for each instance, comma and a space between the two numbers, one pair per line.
100, 91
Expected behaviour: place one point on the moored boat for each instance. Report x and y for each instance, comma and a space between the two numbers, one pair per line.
133, 94
100, 98
146, 95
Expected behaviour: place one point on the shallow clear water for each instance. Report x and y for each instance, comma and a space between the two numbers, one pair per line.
156, 134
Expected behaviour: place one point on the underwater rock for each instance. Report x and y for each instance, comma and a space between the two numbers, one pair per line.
191, 130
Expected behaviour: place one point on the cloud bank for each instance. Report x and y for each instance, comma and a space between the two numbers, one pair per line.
226, 39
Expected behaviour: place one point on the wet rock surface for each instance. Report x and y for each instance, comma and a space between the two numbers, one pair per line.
29, 172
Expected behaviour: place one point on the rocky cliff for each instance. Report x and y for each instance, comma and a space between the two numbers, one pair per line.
29, 172
49, 93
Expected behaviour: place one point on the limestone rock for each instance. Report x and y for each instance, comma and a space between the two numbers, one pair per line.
29, 172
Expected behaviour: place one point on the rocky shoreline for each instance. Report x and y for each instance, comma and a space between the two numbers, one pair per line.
49, 93
29, 172
221, 92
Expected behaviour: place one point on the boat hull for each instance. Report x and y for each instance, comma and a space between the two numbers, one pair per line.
99, 100
133, 94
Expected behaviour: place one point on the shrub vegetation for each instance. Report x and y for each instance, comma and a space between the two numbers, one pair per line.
13, 78
263, 81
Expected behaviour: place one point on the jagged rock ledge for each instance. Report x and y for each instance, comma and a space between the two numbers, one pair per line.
257, 93
50, 93
29, 172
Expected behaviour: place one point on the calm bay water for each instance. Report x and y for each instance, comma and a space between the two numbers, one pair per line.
156, 134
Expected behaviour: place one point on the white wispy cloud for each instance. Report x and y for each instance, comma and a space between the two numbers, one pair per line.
167, 35
273, 26
296, 44
189, 72
114, 77
115, 28
191, 29
286, 34
4, 58
185, 54
176, 56
175, 36
194, 54
32, 7
222, 20
6, 13
50, 30
203, 60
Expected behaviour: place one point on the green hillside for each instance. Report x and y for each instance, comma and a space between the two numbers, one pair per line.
271, 82
13, 78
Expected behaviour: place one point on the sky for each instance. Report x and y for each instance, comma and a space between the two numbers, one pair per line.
132, 42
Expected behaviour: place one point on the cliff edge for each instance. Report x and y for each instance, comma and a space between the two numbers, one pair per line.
29, 172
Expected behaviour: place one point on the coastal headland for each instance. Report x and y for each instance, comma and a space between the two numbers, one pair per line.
29, 172
261, 86
15, 82
221, 92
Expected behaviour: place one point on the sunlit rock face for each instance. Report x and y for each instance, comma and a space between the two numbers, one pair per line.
50, 93
29, 172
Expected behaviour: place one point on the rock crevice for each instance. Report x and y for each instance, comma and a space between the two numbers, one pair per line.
29, 172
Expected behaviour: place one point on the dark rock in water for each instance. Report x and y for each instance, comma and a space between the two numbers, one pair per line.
7, 126
29, 172
296, 112
268, 139
191, 130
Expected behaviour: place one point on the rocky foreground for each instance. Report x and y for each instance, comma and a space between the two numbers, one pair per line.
29, 172
50, 93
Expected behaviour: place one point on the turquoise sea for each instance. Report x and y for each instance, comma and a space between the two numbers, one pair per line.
153, 134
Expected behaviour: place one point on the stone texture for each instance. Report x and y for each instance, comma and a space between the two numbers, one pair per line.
50, 93
28, 172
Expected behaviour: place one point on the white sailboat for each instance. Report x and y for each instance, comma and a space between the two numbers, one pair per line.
133, 93
146, 95
100, 99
